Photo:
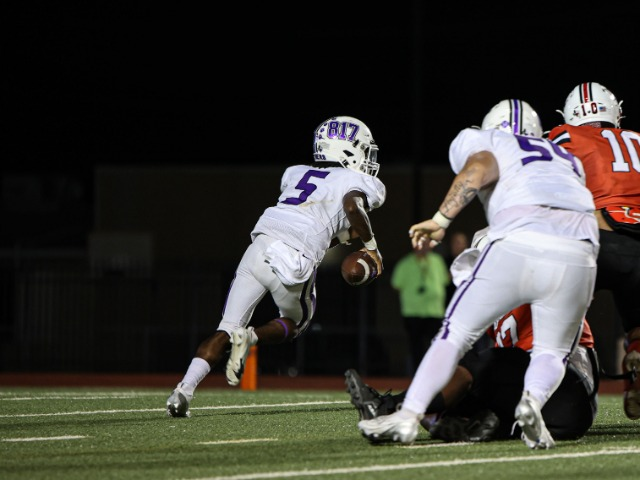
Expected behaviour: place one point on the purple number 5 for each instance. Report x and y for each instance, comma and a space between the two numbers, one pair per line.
539, 149
306, 186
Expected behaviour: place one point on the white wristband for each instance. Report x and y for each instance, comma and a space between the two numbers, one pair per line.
441, 220
371, 244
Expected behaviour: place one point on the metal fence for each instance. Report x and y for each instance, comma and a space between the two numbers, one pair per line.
61, 313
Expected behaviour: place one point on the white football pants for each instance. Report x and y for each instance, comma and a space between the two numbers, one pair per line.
555, 276
253, 279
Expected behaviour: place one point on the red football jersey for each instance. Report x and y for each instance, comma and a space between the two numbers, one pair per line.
514, 330
611, 160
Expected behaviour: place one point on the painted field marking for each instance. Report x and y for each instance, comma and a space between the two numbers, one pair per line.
121, 396
43, 439
249, 440
410, 466
144, 410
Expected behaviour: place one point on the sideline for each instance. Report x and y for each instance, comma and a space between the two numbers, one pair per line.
218, 380
169, 381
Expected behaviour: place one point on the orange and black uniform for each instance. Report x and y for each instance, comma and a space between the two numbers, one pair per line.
611, 160
498, 380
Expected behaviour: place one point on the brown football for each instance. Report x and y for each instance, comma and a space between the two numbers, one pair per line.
359, 268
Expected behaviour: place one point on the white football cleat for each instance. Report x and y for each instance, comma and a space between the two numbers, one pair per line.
400, 426
178, 402
242, 340
529, 417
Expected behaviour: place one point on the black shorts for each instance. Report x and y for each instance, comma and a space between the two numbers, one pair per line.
498, 381
619, 272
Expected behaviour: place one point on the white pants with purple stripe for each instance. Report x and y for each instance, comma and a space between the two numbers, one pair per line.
254, 278
556, 276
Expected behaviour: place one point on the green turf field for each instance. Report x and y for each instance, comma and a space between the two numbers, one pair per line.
99, 433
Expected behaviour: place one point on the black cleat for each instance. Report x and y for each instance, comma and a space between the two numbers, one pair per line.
480, 427
366, 399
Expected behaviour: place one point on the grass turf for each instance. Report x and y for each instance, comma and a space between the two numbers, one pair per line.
102, 433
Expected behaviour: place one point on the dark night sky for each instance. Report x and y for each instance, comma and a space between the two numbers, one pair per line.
158, 83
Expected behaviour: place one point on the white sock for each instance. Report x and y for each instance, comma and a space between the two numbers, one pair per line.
543, 376
196, 372
407, 414
434, 372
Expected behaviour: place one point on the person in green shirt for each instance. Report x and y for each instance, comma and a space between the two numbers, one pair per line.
421, 278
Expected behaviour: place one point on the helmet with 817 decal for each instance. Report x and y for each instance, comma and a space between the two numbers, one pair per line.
347, 141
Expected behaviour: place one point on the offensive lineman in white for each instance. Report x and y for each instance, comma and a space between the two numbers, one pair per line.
543, 247
320, 206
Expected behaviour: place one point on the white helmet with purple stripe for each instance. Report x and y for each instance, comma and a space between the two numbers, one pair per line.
513, 116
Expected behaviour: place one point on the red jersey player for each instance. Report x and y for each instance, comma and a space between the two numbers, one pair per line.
610, 156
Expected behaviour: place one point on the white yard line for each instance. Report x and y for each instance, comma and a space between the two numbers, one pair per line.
121, 396
42, 439
248, 440
142, 410
410, 466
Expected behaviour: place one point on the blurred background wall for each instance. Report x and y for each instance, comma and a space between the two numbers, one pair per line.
142, 142
148, 277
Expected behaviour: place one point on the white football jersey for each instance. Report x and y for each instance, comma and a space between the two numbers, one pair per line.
309, 212
534, 172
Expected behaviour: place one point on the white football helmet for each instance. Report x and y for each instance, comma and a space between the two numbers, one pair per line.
592, 102
513, 116
347, 141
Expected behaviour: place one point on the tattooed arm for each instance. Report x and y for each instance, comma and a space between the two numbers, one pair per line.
480, 171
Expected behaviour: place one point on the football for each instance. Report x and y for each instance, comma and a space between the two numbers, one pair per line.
359, 268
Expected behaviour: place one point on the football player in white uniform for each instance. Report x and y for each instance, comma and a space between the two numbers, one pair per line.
320, 205
543, 247
479, 402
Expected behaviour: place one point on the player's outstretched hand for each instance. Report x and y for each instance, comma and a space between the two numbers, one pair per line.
425, 231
